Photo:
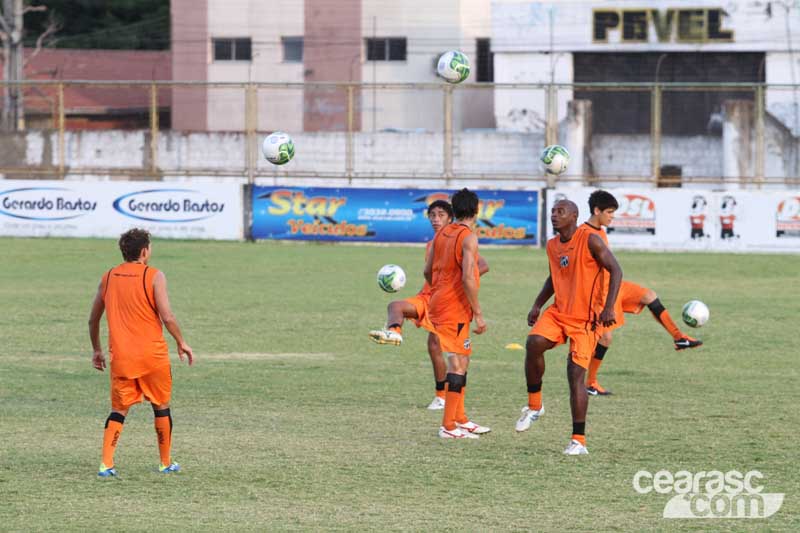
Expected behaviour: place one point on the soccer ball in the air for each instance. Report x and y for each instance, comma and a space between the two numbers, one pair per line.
555, 159
391, 278
695, 313
453, 66
278, 148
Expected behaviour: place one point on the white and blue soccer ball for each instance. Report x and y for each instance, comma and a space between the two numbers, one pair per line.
453, 66
695, 313
278, 148
391, 278
555, 159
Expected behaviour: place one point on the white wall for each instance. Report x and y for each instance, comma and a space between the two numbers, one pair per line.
265, 23
784, 102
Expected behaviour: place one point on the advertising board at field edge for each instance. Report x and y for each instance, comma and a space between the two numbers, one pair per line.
385, 215
107, 209
688, 219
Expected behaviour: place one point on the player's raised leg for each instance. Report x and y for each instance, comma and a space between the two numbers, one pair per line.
396, 313
535, 347
682, 341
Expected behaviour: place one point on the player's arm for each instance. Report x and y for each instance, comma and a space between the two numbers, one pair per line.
168, 318
483, 266
469, 248
545, 294
98, 307
428, 272
603, 255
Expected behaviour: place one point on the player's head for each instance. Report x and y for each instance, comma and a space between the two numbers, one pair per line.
564, 215
465, 204
602, 205
440, 214
135, 245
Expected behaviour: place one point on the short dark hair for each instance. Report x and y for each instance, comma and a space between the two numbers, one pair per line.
465, 204
132, 242
444, 205
602, 200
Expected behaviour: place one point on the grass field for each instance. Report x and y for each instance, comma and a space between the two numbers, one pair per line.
292, 419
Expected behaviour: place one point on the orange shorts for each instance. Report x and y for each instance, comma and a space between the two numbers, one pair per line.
629, 300
420, 303
454, 337
155, 387
558, 328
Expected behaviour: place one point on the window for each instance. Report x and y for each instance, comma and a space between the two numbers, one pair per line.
485, 67
292, 49
386, 49
233, 49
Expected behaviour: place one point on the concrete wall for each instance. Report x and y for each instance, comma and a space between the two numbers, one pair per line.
189, 62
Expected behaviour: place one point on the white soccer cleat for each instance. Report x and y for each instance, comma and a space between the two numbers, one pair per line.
575, 448
472, 427
386, 336
528, 416
437, 404
457, 433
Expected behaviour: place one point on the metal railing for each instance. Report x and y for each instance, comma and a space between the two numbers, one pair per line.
414, 118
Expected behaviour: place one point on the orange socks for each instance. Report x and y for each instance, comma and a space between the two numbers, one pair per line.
461, 415
670, 325
163, 423
594, 366
111, 435
441, 387
579, 438
454, 401
396, 328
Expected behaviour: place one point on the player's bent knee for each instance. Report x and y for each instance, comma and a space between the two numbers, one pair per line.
606, 339
538, 344
649, 297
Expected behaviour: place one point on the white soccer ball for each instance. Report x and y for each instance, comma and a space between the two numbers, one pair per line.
391, 278
555, 159
695, 313
453, 66
278, 148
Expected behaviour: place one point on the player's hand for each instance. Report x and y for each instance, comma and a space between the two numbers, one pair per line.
99, 360
533, 315
608, 317
185, 349
480, 324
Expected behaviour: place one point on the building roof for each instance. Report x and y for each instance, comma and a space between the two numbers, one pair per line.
116, 65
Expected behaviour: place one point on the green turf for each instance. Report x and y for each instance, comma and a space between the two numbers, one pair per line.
292, 419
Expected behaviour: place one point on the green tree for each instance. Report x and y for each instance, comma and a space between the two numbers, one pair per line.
109, 24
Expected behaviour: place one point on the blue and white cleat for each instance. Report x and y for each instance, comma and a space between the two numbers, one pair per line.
173, 467
106, 471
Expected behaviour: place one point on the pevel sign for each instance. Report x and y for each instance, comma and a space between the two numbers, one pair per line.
687, 25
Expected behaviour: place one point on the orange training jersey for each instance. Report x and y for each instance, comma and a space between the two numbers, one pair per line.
580, 282
135, 336
426, 288
449, 302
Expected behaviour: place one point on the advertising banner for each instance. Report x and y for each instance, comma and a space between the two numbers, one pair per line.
107, 209
385, 215
682, 219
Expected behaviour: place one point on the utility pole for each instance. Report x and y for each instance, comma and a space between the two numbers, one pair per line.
11, 23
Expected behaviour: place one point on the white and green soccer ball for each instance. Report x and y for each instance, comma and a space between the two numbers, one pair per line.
555, 159
695, 313
391, 278
453, 66
278, 148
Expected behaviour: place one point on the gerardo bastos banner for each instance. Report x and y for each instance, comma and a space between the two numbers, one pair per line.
385, 215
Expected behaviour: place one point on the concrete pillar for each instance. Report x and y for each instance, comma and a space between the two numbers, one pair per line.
737, 140
578, 137
332, 52
189, 63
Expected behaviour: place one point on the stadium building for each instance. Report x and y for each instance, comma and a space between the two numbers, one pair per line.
376, 41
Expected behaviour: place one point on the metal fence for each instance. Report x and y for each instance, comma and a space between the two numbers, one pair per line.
662, 134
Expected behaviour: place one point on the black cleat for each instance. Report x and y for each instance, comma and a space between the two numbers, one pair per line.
687, 342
